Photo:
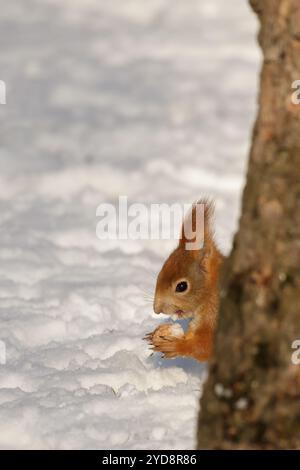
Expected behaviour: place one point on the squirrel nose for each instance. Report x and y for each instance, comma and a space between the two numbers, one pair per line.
157, 307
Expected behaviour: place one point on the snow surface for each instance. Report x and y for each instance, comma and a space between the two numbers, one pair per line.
149, 99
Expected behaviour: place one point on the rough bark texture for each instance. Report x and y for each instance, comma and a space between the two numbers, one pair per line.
252, 396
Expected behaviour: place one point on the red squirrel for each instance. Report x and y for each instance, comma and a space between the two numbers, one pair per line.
188, 287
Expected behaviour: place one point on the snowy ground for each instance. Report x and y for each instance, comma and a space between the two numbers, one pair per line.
149, 99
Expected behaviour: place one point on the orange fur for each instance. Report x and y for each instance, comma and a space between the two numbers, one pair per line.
199, 269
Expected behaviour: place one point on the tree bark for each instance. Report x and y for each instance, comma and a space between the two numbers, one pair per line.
252, 396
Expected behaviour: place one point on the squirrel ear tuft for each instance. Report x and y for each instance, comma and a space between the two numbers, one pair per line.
196, 232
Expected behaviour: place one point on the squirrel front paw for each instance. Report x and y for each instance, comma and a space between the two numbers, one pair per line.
167, 339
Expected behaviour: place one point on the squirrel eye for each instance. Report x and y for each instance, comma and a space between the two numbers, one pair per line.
181, 286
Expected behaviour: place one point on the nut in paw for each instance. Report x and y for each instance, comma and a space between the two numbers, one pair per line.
166, 339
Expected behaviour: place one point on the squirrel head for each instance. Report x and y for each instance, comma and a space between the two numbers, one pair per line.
188, 277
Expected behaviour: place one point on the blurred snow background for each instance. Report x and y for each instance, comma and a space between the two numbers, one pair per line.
149, 99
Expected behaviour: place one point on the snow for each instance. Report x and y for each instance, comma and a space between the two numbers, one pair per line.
153, 100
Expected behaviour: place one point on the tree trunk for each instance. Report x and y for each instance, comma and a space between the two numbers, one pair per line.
252, 396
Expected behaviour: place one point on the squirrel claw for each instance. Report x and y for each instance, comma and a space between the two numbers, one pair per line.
148, 337
165, 338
